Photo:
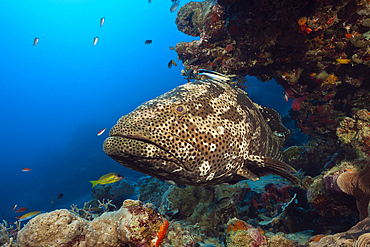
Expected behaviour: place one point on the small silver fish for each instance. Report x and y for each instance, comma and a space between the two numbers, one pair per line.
102, 21
35, 41
95, 40
174, 6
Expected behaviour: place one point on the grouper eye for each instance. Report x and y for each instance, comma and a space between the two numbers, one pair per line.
180, 109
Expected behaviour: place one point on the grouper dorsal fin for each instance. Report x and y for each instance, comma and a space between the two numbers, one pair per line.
259, 166
273, 119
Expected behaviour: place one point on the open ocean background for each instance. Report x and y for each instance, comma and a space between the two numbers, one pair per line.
57, 95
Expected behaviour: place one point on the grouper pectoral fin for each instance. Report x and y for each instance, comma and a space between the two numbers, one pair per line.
260, 166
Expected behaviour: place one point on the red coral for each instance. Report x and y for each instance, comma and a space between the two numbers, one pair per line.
229, 47
297, 103
162, 233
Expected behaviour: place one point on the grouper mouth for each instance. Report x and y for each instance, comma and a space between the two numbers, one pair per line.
126, 148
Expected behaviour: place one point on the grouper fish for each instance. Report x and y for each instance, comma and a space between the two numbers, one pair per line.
204, 132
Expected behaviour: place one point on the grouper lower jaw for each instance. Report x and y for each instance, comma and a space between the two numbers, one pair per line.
120, 148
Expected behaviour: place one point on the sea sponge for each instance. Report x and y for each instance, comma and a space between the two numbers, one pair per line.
302, 21
357, 184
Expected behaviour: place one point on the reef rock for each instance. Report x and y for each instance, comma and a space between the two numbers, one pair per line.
319, 53
355, 133
239, 233
357, 184
134, 224
327, 198
357, 236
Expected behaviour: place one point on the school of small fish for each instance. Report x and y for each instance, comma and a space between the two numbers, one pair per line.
110, 177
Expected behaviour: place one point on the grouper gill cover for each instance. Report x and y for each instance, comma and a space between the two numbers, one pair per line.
203, 132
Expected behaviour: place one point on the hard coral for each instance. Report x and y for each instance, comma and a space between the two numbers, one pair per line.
189, 18
363, 240
133, 225
236, 225
357, 184
347, 238
269, 44
179, 235
355, 133
239, 233
325, 196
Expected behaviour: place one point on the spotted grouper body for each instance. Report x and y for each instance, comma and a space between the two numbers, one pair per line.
203, 132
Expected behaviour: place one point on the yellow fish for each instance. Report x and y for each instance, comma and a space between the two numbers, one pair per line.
343, 61
30, 215
107, 179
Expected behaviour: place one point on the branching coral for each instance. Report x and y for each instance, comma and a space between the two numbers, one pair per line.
7, 231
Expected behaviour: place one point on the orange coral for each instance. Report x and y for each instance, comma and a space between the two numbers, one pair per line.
330, 21
330, 80
236, 225
162, 233
304, 29
302, 21
317, 238
316, 42
215, 16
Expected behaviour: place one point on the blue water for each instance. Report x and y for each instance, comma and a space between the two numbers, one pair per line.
56, 95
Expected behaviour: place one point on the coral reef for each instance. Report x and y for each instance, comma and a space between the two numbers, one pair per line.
355, 133
208, 207
353, 237
314, 156
151, 190
8, 233
239, 233
134, 224
326, 197
280, 240
179, 236
116, 192
357, 184
319, 53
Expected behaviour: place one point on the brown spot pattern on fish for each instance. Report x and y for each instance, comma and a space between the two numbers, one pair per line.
203, 132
